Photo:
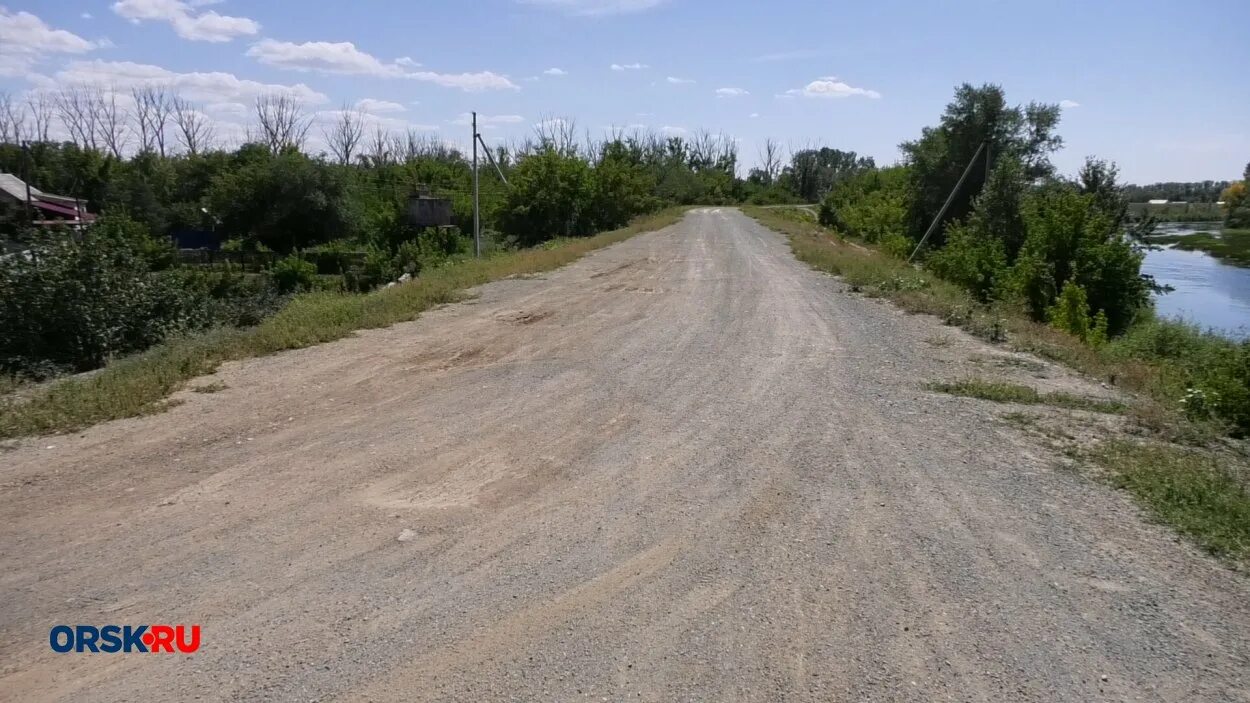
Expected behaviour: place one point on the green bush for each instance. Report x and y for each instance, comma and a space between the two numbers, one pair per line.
871, 205
70, 305
293, 274
549, 198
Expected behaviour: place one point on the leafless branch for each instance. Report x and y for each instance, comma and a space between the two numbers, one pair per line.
281, 122
112, 120
344, 135
195, 130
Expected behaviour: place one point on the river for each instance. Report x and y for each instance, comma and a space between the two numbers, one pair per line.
1207, 292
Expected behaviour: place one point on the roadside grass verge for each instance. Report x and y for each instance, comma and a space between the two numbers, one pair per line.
1000, 392
140, 384
1197, 493
1158, 362
1185, 470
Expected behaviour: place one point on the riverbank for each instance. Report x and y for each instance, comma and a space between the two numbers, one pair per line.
1229, 245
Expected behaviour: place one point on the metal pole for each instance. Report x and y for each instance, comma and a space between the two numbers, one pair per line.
477, 220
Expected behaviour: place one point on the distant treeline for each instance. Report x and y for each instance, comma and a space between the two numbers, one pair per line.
1197, 192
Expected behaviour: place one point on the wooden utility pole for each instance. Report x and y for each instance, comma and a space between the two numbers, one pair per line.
477, 219
30, 216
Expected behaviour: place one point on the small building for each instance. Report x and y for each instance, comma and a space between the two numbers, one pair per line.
46, 209
427, 211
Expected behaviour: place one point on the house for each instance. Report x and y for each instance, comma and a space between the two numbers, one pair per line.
46, 209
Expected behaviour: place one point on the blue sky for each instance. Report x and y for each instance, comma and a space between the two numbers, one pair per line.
1158, 87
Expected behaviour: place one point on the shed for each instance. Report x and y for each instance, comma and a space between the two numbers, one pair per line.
51, 209
427, 211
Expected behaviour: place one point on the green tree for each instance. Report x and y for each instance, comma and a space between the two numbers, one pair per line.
549, 196
976, 116
285, 202
620, 187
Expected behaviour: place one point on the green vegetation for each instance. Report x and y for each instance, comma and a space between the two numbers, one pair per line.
1177, 212
1000, 392
1231, 245
292, 223
1237, 202
1197, 492
139, 384
1195, 193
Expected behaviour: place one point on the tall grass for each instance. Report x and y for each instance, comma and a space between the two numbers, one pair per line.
140, 384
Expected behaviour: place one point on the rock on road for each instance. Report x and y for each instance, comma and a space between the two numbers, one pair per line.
686, 467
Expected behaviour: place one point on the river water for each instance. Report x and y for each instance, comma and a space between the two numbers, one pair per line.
1207, 292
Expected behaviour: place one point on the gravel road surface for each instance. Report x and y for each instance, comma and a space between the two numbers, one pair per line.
686, 467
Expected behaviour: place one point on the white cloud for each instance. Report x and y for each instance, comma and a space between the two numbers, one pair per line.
85, 15
628, 66
323, 57
730, 92
375, 105
676, 131
1068, 104
679, 81
555, 72
186, 21
213, 88
596, 7
230, 109
753, 115
468, 82
25, 39
466, 118
830, 87
343, 58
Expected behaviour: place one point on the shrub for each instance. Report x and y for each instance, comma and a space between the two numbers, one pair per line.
293, 274
69, 305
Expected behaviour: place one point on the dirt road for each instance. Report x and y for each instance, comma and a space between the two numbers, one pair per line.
684, 468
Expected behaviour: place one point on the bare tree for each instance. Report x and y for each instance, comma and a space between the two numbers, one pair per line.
703, 149
112, 119
557, 133
403, 147
144, 126
345, 133
195, 130
380, 146
281, 122
770, 160
40, 105
77, 106
154, 105
12, 120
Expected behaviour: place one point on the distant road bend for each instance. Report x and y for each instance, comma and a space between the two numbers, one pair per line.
686, 467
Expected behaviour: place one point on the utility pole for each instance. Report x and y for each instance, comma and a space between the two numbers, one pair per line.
30, 216
477, 218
